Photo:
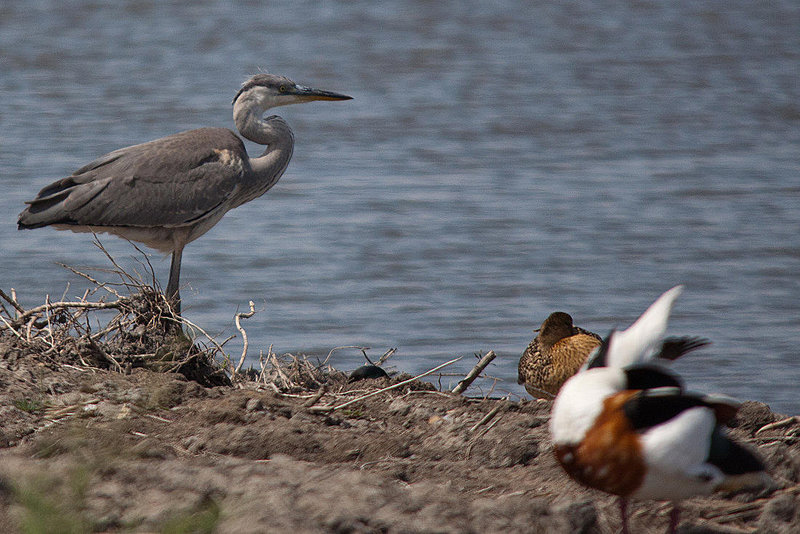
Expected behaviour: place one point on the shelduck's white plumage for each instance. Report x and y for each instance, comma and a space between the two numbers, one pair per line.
624, 424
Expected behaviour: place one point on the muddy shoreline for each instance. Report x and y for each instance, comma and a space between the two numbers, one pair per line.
130, 428
86, 449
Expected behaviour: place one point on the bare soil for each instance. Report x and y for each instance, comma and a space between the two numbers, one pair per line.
90, 441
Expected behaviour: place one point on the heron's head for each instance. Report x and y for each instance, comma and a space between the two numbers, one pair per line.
271, 90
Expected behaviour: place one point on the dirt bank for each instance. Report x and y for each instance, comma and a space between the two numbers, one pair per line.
86, 449
98, 433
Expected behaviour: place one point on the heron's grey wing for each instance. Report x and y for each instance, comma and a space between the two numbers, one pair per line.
169, 182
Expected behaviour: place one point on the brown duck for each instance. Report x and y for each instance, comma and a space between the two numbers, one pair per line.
554, 355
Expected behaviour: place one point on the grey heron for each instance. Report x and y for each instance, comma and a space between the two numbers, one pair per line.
168, 192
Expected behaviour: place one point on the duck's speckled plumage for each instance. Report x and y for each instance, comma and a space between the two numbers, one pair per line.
554, 355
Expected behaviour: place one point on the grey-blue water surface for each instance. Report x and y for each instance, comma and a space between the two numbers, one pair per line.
500, 160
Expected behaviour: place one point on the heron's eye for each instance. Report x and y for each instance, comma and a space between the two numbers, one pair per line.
282, 89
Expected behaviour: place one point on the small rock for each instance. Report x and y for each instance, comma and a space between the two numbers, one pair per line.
780, 515
71, 398
332, 421
132, 396
580, 516
193, 444
253, 405
353, 454
399, 407
150, 448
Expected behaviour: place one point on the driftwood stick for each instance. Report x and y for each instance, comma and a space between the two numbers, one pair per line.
394, 386
12, 300
287, 383
52, 341
104, 354
237, 319
472, 375
64, 294
778, 424
364, 352
386, 355
488, 417
313, 400
262, 376
334, 349
8, 326
62, 305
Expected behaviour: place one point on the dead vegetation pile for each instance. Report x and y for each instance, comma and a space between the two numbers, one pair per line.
105, 329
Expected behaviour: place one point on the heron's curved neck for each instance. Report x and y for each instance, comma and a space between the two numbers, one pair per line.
273, 132
248, 112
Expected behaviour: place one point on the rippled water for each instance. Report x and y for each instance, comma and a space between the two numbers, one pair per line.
499, 161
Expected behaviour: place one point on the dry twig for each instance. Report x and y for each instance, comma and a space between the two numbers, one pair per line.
33, 312
334, 349
313, 400
473, 374
12, 300
488, 417
237, 319
386, 355
382, 390
777, 424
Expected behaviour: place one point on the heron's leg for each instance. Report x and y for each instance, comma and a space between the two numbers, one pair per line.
173, 286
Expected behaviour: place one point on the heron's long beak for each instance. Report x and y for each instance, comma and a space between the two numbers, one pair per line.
307, 94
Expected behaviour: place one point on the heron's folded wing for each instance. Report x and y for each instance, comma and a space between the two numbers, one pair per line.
171, 181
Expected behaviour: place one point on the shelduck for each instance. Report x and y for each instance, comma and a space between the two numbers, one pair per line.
624, 424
